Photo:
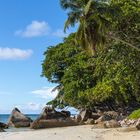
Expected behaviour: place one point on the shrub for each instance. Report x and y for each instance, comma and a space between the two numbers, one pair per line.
135, 114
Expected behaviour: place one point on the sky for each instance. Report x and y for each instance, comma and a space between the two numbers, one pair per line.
27, 28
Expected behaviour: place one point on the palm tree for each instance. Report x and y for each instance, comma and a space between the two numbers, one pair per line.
94, 18
91, 15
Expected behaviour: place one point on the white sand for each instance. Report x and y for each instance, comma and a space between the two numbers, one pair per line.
71, 133
117, 134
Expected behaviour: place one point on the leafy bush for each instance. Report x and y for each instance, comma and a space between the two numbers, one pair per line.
135, 114
111, 78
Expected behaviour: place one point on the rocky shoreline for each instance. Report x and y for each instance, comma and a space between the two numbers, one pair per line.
51, 118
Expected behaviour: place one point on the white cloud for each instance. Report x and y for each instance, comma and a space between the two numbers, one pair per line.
60, 33
35, 106
30, 107
14, 53
46, 93
35, 29
41, 28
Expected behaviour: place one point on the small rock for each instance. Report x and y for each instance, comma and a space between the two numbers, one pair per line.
90, 121
138, 124
111, 124
123, 123
85, 114
78, 118
103, 118
95, 116
3, 125
66, 113
1, 130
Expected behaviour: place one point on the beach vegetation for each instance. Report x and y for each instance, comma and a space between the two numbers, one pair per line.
99, 64
135, 114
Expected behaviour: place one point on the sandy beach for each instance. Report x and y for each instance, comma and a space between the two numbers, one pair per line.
71, 133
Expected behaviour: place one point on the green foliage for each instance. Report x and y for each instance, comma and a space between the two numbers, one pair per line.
57, 59
135, 114
127, 6
94, 18
127, 26
119, 72
112, 78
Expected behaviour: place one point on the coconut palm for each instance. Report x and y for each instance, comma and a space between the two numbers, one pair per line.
93, 21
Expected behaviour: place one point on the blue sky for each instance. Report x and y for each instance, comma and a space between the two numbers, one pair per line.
27, 28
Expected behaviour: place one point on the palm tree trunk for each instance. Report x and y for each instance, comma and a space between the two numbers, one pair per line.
93, 48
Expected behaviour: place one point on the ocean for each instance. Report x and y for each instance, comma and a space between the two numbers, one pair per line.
4, 119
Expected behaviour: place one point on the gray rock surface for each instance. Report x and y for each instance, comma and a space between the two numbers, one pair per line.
51, 118
17, 119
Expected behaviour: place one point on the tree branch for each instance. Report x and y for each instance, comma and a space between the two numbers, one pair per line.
124, 42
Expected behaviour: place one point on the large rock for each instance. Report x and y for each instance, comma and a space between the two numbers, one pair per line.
112, 114
3, 125
83, 116
50, 113
115, 115
107, 124
52, 118
17, 119
109, 115
50, 123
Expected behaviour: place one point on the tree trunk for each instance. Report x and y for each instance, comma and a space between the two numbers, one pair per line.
93, 49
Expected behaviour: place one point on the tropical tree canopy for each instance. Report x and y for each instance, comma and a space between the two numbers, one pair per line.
109, 80
94, 19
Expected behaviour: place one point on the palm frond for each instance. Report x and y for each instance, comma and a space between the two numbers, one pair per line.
69, 4
72, 19
87, 7
58, 87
